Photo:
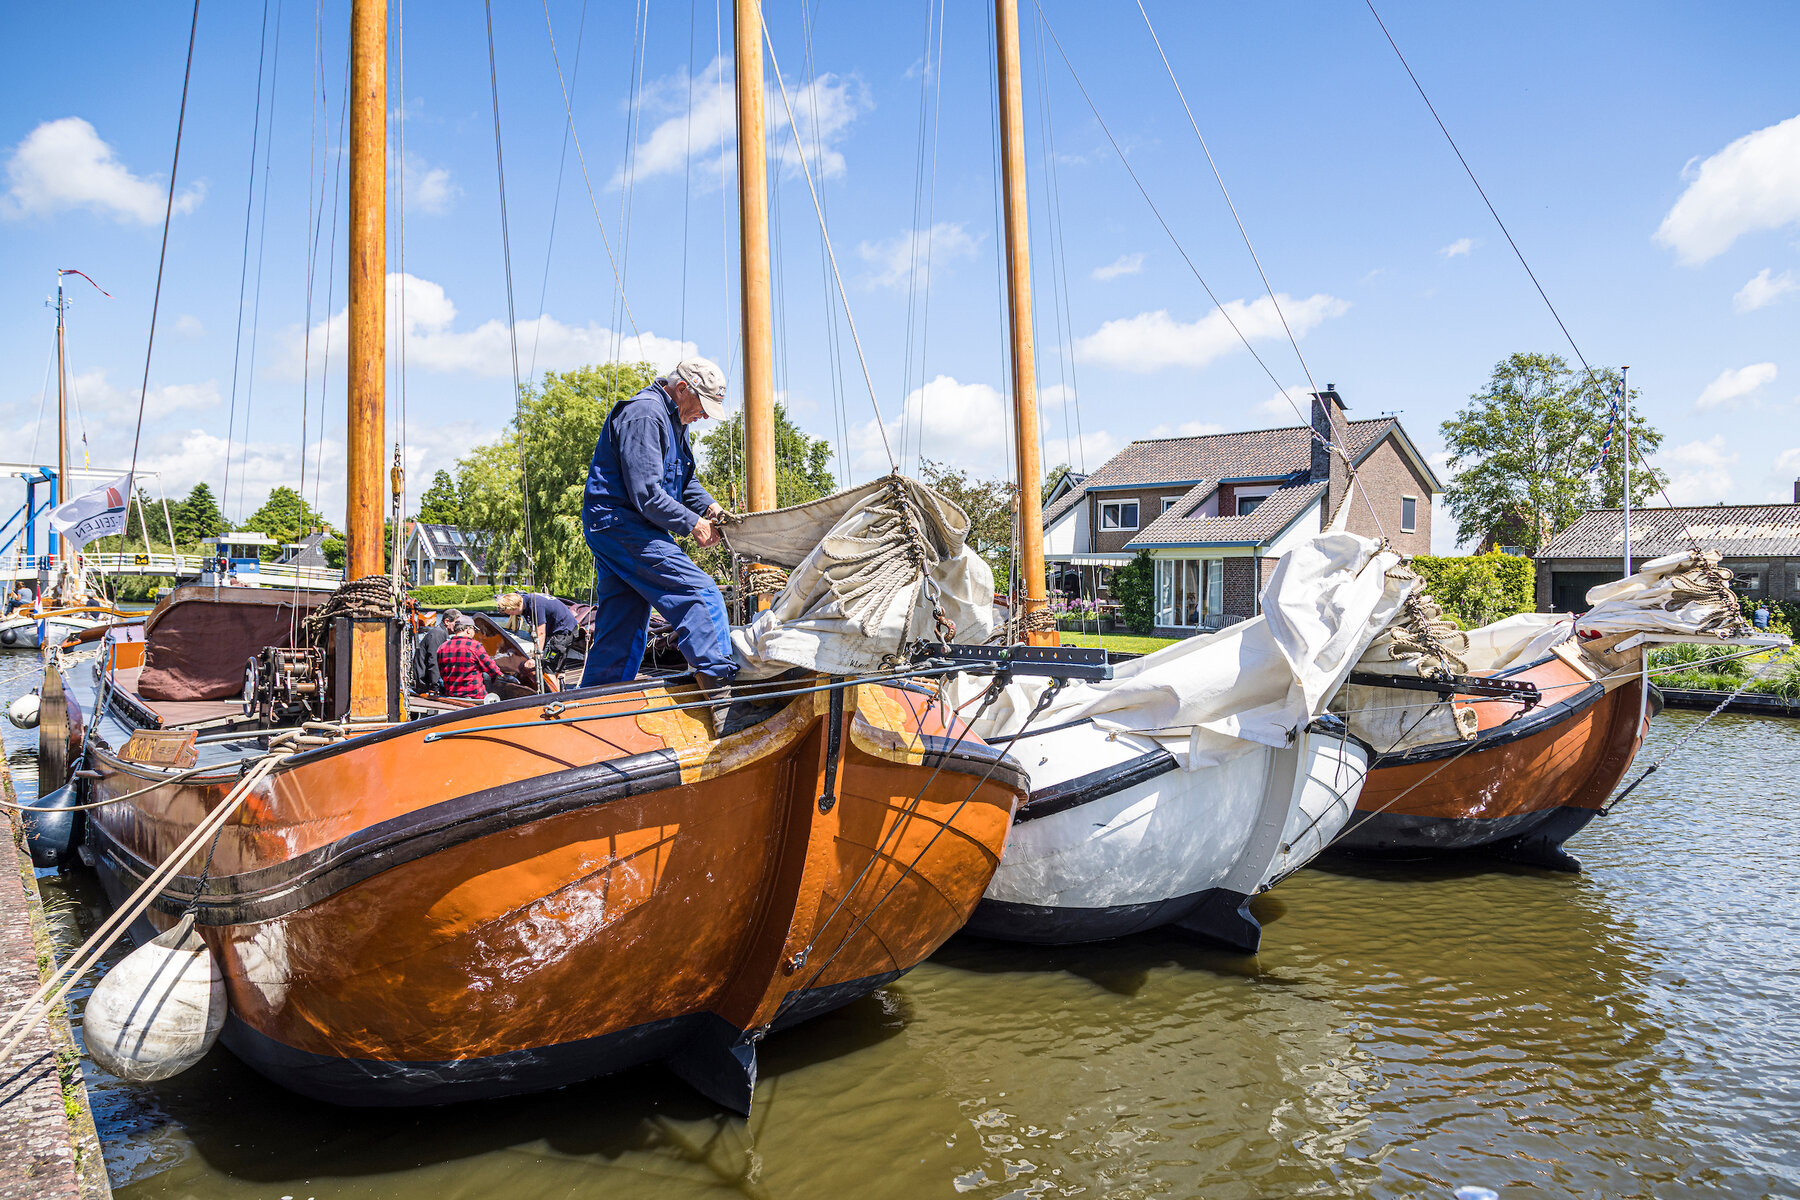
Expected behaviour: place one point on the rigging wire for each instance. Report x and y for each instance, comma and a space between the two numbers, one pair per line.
844, 296
244, 262
512, 323
262, 237
634, 119
162, 258
562, 161
399, 53
574, 136
834, 336
1059, 257
330, 243
1507, 233
687, 173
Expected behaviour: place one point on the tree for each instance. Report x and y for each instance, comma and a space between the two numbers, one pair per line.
544, 459
802, 463
1052, 477
197, 516
337, 551
989, 504
286, 517
1523, 451
1134, 587
441, 504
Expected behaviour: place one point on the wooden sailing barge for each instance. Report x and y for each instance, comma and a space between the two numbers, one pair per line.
515, 896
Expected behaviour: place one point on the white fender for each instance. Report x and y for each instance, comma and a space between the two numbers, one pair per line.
23, 712
160, 1010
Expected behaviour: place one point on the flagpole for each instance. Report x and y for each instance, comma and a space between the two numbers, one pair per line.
1625, 499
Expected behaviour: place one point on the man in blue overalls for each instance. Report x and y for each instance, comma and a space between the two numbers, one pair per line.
641, 491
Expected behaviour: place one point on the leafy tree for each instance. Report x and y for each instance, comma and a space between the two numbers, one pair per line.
989, 504
285, 516
802, 463
441, 504
1052, 477
548, 448
337, 551
1134, 587
1523, 450
197, 516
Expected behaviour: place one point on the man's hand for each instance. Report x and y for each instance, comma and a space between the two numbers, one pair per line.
705, 532
715, 512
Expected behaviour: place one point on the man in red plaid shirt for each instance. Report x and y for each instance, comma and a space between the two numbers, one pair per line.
464, 664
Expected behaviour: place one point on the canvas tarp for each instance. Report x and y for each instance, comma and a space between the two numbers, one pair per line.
1211, 698
1684, 593
856, 592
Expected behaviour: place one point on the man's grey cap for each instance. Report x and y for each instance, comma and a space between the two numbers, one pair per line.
703, 375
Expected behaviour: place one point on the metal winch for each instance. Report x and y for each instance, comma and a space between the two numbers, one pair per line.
285, 686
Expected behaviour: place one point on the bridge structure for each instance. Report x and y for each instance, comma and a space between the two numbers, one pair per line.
29, 546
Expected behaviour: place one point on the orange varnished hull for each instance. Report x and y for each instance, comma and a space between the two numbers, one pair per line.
413, 917
1530, 779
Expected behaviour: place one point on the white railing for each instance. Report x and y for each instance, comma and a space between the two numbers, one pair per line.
16, 565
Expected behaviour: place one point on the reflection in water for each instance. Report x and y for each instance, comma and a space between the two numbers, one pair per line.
1628, 1032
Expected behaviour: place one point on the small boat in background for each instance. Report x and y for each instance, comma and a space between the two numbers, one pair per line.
51, 626
1507, 740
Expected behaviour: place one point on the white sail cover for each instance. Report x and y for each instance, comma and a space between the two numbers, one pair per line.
1685, 593
1211, 698
858, 564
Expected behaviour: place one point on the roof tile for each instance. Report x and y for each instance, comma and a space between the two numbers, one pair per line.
1734, 530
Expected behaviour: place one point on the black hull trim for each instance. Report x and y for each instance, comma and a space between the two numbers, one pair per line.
1096, 785
307, 878
1214, 915
1534, 839
718, 1060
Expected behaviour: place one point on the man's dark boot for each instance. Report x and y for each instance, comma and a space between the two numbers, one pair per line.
730, 715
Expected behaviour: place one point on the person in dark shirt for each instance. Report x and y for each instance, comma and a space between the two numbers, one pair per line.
436, 632
641, 492
465, 664
552, 628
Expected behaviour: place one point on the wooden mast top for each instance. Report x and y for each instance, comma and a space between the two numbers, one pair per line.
753, 259
1028, 590
365, 505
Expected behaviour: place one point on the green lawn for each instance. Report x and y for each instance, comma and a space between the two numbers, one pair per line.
1127, 643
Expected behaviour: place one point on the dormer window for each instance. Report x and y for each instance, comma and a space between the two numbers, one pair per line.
1119, 514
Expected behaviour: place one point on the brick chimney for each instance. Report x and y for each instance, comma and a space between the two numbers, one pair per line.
1797, 491
1329, 422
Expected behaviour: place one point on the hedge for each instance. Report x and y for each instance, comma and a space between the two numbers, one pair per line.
1479, 589
451, 595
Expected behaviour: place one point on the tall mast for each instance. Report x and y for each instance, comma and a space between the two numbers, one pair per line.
753, 259
1018, 296
368, 286
1625, 499
62, 408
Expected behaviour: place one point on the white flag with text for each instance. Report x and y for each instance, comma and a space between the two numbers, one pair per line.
95, 514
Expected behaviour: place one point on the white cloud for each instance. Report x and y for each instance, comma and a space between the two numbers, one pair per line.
1784, 477
433, 344
1751, 185
1153, 340
962, 424
1185, 429
1084, 452
1125, 264
1461, 246
63, 164
1701, 472
1290, 406
188, 325
98, 400
896, 259
429, 189
1734, 383
823, 110
1762, 290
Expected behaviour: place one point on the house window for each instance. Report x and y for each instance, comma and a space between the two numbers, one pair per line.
1188, 591
1249, 504
1121, 514
1169, 502
1747, 580
1409, 514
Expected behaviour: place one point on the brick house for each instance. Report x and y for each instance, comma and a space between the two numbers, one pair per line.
1760, 543
1217, 511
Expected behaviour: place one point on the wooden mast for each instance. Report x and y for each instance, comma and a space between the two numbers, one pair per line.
368, 286
753, 259
1030, 595
370, 686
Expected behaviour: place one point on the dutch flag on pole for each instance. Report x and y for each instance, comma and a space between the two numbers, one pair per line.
95, 514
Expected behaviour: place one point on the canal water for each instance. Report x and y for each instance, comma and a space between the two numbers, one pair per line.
1632, 1031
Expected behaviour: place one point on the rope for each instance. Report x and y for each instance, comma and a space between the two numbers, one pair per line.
372, 596
766, 580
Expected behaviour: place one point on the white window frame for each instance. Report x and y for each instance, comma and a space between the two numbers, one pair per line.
1172, 583
1119, 525
1168, 502
1411, 526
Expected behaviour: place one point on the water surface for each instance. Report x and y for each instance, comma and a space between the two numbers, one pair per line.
1631, 1031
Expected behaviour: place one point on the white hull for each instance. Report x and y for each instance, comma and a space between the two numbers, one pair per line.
30, 633
1123, 838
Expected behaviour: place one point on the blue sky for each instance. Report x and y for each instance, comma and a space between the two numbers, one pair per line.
1646, 157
